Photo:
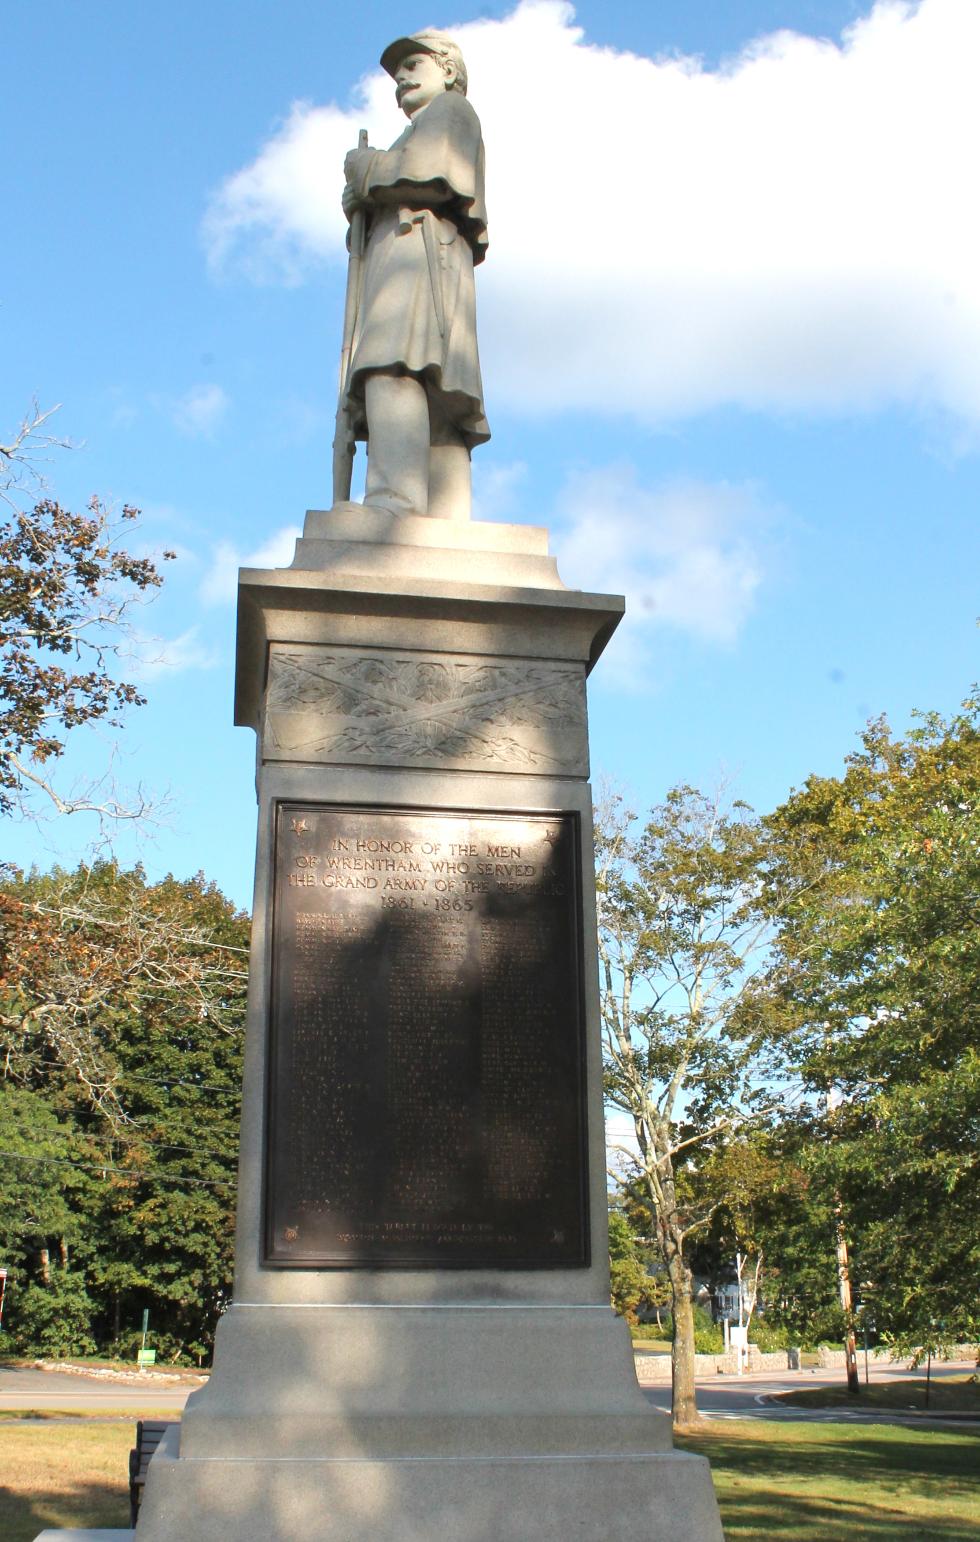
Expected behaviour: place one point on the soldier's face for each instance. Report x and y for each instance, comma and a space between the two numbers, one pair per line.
419, 79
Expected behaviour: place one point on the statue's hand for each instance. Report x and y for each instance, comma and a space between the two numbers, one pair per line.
357, 163
351, 201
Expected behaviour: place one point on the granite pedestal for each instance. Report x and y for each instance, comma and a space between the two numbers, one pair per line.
383, 1379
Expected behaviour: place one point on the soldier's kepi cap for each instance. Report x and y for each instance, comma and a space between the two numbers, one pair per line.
429, 41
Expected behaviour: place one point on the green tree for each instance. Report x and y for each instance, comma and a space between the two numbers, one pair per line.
121, 1014
41, 1201
633, 1287
682, 938
772, 1213
53, 1317
877, 972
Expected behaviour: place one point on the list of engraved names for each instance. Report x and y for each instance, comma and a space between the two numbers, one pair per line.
426, 1057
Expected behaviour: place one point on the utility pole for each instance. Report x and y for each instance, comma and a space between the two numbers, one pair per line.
739, 1266
740, 1339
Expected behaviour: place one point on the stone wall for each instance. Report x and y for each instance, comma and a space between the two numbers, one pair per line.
656, 1368
834, 1359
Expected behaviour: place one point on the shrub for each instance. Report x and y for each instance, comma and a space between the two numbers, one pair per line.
650, 1330
709, 1337
170, 1350
768, 1336
825, 1327
53, 1319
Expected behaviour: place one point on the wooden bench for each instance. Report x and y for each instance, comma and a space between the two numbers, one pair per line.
149, 1433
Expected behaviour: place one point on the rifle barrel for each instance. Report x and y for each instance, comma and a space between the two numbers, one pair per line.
343, 444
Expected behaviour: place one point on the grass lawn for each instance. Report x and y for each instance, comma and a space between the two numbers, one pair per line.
63, 1475
842, 1482
789, 1482
959, 1393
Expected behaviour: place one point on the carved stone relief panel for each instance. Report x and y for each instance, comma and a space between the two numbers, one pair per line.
360, 706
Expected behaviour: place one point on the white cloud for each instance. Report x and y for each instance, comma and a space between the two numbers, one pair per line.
284, 208
688, 556
496, 486
220, 584
795, 231
200, 410
152, 657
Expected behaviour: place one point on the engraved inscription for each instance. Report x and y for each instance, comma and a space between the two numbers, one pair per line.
349, 706
426, 1057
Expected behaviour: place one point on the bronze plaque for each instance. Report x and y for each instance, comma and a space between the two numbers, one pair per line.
426, 1068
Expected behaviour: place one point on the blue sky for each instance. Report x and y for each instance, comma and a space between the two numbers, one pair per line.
730, 322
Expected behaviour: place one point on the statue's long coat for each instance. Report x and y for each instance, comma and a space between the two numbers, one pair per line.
398, 326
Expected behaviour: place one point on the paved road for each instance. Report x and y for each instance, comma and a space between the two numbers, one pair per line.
728, 1397
748, 1397
22, 1389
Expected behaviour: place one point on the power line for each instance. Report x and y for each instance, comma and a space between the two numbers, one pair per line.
159, 1145
127, 1172
155, 1081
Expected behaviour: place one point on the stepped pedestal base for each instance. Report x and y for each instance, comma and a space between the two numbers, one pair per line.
446, 1423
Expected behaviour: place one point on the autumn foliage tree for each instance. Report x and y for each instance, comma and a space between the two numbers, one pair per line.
67, 585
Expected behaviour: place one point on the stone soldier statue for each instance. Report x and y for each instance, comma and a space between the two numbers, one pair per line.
413, 388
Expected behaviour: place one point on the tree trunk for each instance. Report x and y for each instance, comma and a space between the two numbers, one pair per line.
44, 1266
63, 1251
685, 1407
847, 1305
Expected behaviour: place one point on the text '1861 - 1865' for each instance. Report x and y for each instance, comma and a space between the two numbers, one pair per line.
426, 1052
